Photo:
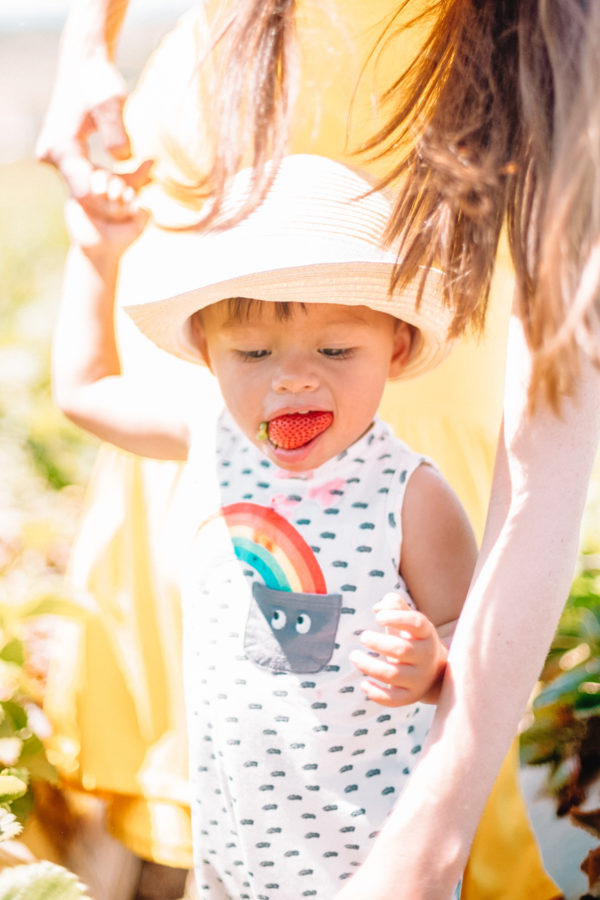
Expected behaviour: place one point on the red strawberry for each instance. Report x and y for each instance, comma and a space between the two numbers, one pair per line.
295, 429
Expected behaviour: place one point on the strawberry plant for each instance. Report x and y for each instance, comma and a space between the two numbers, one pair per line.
23, 760
564, 732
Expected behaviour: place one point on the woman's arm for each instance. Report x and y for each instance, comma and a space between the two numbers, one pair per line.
88, 97
520, 585
87, 381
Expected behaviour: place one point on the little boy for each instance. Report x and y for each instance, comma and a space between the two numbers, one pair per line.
307, 512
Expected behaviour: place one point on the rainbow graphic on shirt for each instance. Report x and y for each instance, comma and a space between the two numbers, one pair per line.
263, 539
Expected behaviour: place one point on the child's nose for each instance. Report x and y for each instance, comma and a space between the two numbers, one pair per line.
295, 375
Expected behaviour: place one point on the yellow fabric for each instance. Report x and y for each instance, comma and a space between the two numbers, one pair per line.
117, 696
505, 863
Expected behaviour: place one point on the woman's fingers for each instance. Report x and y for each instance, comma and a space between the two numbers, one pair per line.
108, 119
140, 177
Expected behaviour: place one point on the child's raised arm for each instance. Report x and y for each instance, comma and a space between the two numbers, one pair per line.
88, 383
437, 563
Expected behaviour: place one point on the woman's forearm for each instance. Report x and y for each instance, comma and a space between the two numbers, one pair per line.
87, 97
92, 28
520, 586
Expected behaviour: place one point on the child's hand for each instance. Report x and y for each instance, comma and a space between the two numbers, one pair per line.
98, 234
412, 656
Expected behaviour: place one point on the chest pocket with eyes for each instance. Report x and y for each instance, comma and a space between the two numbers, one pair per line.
291, 632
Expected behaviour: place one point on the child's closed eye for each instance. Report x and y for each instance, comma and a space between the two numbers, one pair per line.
337, 352
252, 355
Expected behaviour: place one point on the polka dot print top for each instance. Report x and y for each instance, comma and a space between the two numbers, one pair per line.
293, 771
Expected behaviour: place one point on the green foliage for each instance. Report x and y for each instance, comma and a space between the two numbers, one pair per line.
45, 604
34, 242
22, 754
564, 733
40, 881
13, 785
44, 462
10, 828
23, 759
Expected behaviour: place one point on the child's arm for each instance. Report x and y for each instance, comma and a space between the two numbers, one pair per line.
88, 384
438, 558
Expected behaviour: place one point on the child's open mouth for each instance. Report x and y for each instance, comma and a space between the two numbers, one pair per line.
294, 430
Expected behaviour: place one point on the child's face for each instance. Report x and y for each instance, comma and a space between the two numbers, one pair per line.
325, 357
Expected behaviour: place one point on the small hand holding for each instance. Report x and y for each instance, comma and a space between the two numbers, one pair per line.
411, 656
88, 98
98, 235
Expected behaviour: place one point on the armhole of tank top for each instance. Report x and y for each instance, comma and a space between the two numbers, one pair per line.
395, 503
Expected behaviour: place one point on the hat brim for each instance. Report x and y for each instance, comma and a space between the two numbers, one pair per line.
316, 238
167, 322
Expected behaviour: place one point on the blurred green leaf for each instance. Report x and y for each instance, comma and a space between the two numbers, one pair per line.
564, 734
43, 605
40, 881
53, 605
566, 688
11, 787
587, 704
22, 807
33, 757
10, 827
563, 774
46, 465
14, 713
13, 652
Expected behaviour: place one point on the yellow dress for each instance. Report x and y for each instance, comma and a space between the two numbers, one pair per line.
116, 701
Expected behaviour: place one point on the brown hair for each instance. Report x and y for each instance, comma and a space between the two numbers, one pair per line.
496, 120
501, 109
239, 309
255, 59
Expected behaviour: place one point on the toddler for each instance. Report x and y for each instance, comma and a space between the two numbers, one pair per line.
310, 523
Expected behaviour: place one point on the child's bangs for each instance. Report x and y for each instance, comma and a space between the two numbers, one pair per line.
241, 309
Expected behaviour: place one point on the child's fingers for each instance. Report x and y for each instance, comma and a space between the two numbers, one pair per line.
387, 683
393, 600
385, 695
392, 673
414, 623
105, 185
89, 231
113, 196
396, 647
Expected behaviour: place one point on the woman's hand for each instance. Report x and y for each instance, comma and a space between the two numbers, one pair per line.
87, 101
102, 236
411, 656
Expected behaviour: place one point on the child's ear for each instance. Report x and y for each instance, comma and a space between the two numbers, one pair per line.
403, 340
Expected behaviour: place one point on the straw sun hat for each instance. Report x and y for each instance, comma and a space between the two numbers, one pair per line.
316, 238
